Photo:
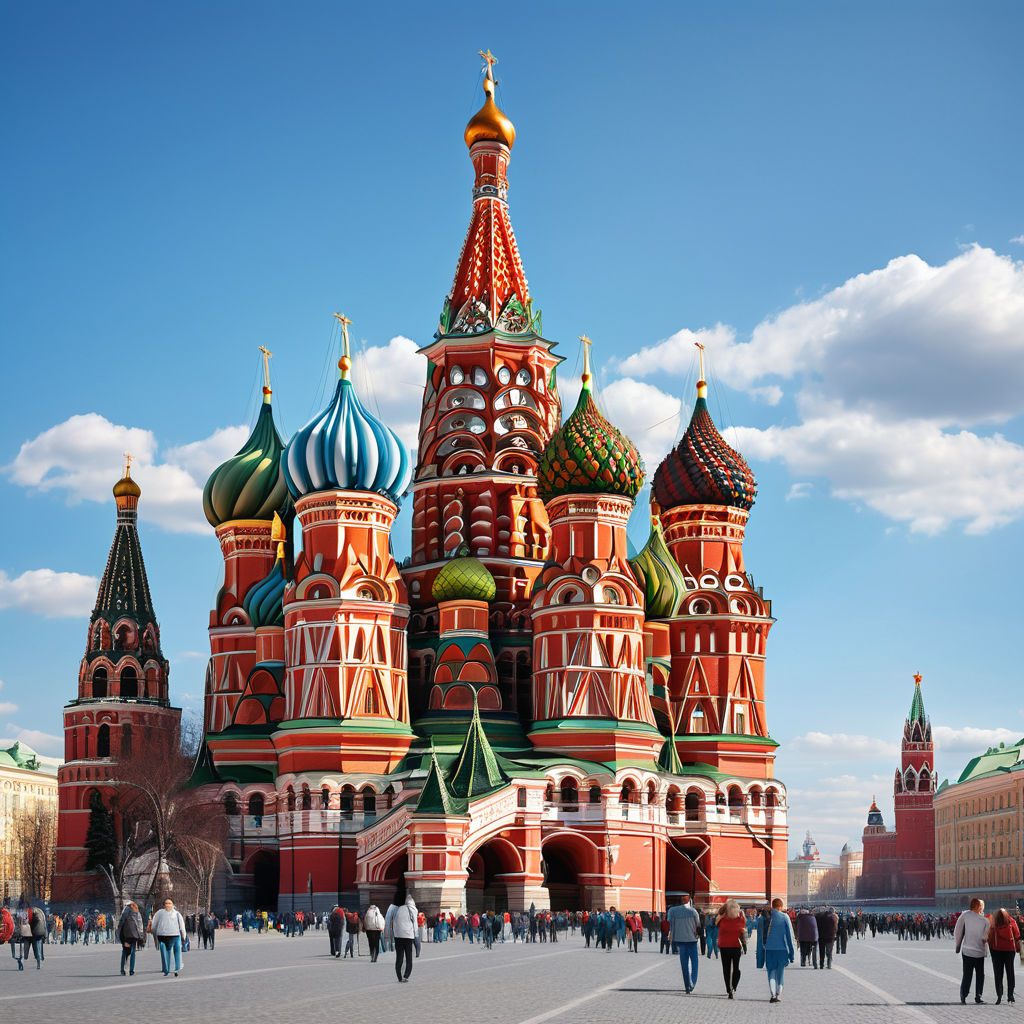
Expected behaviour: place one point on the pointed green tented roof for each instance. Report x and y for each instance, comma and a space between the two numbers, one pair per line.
435, 797
477, 770
917, 705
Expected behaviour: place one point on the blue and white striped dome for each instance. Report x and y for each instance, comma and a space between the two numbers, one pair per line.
345, 448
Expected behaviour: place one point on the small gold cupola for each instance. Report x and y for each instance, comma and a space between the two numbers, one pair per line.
489, 123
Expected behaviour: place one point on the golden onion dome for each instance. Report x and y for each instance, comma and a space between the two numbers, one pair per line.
489, 122
126, 487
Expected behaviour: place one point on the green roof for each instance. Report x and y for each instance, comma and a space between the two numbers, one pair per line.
917, 706
668, 759
19, 755
995, 760
436, 797
477, 770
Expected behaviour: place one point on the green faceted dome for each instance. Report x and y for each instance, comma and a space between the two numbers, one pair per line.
589, 456
250, 485
659, 577
464, 579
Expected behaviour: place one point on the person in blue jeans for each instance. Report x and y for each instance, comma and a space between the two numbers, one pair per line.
711, 934
168, 928
775, 946
685, 927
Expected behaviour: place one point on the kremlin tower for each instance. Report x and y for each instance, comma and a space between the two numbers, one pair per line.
122, 698
901, 864
521, 713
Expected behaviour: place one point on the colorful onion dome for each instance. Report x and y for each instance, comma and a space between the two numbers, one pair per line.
464, 579
658, 575
250, 485
344, 448
126, 487
702, 469
490, 122
264, 604
587, 455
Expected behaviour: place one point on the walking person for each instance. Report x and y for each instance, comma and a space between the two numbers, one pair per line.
807, 936
131, 935
971, 936
22, 938
405, 926
828, 928
37, 934
373, 924
1003, 943
168, 928
685, 924
775, 946
335, 926
731, 928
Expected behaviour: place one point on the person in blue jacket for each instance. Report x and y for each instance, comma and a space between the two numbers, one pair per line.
775, 946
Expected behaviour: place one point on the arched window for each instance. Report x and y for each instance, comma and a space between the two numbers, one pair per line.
74, 746
87, 754
369, 803
126, 740
371, 704
122, 638
652, 794
231, 805
549, 794
346, 801
692, 804
97, 637
595, 794
256, 805
771, 798
307, 799
389, 796
698, 722
99, 682
325, 798
291, 799
672, 801
628, 793
569, 792
735, 801
129, 682
103, 741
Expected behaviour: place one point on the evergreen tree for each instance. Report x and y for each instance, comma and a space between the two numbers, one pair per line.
101, 838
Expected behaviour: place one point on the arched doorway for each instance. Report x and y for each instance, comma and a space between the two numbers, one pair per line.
395, 876
487, 868
266, 879
564, 857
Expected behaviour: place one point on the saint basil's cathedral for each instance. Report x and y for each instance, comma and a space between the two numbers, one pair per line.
519, 714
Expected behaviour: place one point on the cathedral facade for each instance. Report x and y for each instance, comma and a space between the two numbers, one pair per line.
522, 713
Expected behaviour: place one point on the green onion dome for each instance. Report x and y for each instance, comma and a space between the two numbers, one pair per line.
659, 577
250, 485
587, 455
264, 604
702, 469
464, 579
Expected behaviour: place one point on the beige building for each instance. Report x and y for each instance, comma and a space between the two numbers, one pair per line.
26, 779
806, 879
978, 824
851, 866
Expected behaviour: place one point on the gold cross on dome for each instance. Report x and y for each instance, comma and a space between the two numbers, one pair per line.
490, 60
586, 355
700, 357
267, 356
128, 460
344, 321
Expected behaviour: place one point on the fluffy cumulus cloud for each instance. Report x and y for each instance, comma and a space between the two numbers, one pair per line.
390, 381
6, 707
49, 593
897, 376
833, 808
970, 740
41, 742
841, 746
82, 456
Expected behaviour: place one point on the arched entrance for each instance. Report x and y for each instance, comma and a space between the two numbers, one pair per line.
487, 868
395, 876
564, 857
266, 880
685, 871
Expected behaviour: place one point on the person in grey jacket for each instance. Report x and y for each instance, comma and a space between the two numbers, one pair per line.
404, 927
684, 924
131, 934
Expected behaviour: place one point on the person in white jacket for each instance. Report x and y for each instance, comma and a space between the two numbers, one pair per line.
373, 925
405, 933
168, 928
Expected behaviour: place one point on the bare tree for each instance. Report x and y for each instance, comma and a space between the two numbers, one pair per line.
34, 834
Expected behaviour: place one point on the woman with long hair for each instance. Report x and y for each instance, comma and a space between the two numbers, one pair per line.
1003, 943
731, 927
775, 946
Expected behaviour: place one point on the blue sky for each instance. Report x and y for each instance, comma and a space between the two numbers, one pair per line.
827, 194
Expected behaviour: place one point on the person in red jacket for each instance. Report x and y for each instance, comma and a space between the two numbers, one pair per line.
732, 941
635, 927
1003, 943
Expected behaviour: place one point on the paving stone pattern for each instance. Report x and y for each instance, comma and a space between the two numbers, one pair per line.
257, 978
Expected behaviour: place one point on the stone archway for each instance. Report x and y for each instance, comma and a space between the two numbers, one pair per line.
488, 868
568, 862
266, 880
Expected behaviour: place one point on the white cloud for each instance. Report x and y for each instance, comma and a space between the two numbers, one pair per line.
48, 593
7, 708
1018, 240
83, 458
41, 742
841, 746
970, 740
833, 809
911, 471
390, 381
799, 490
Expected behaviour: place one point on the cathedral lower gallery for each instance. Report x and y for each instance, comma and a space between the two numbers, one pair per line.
519, 713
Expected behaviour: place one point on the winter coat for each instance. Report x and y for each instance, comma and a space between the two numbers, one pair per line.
828, 926
374, 920
335, 923
129, 928
806, 928
37, 922
405, 920
775, 932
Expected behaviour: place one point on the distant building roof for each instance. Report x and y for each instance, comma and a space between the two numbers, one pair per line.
995, 761
21, 755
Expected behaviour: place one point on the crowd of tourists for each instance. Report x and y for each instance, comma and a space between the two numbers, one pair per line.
725, 933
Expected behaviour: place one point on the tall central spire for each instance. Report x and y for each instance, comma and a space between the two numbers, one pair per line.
490, 288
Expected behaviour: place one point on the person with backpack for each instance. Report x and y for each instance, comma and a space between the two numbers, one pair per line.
131, 935
373, 925
775, 946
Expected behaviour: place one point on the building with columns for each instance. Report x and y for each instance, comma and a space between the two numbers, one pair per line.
522, 713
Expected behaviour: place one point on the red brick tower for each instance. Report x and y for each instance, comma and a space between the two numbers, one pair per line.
122, 697
489, 406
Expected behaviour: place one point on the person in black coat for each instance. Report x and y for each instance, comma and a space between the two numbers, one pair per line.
335, 926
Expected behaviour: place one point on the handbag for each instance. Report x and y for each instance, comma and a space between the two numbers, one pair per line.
186, 945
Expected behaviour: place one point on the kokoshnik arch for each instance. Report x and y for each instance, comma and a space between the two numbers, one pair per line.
522, 714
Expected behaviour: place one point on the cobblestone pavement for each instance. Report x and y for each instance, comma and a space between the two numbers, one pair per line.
268, 978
